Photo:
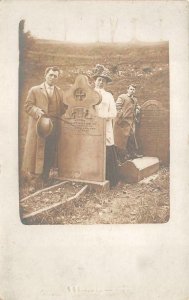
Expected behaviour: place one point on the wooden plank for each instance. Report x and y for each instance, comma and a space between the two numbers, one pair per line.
55, 204
50, 188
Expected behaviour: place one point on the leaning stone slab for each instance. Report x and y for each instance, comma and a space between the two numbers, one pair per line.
135, 170
153, 131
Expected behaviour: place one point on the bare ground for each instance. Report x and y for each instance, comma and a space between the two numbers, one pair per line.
144, 202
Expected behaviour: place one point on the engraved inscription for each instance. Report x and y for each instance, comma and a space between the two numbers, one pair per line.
83, 127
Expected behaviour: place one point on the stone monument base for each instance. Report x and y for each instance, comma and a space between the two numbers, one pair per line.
135, 170
97, 186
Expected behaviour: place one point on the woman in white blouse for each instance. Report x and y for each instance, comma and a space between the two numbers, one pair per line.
107, 109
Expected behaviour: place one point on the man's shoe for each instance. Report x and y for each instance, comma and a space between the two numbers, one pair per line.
129, 156
137, 155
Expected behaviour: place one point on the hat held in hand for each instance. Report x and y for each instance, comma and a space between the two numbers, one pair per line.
44, 127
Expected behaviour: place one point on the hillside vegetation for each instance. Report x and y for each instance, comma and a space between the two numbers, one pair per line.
145, 64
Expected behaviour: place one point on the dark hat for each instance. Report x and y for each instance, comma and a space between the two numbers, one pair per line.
101, 71
44, 127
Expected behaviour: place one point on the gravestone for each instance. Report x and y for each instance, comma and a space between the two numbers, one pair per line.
153, 131
82, 147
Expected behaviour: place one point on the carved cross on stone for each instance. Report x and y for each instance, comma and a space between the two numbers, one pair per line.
81, 95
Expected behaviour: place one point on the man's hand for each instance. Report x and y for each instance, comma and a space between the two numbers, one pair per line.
40, 113
137, 116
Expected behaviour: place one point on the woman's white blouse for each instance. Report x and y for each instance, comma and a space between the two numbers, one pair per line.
107, 109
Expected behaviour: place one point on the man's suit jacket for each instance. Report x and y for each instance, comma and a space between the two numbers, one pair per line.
37, 99
125, 121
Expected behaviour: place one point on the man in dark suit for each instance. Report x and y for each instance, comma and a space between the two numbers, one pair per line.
128, 112
44, 105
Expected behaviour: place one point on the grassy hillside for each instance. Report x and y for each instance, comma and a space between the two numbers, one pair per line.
145, 64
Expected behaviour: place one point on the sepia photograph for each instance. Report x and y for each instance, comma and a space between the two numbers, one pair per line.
94, 148
94, 117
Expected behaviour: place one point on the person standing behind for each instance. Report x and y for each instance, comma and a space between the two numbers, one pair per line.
107, 110
44, 104
128, 115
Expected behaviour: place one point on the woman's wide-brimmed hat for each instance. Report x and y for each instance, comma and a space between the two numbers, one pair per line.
44, 127
101, 71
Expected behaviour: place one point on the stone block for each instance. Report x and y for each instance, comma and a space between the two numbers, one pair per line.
135, 170
99, 186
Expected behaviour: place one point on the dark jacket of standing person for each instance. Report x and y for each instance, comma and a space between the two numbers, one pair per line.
128, 112
37, 104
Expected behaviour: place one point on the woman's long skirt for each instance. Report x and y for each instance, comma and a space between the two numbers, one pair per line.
111, 165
